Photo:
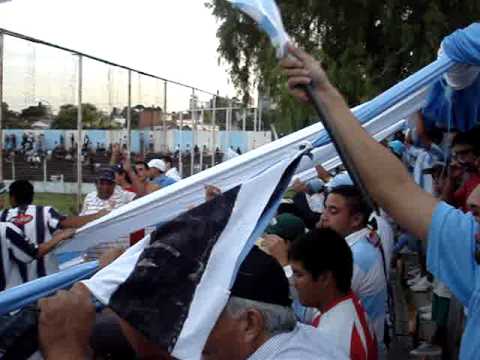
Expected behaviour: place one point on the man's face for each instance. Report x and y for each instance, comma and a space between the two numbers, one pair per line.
141, 171
465, 156
337, 216
154, 172
105, 189
309, 290
230, 338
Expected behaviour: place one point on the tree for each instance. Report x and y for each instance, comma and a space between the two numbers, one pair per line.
366, 45
92, 118
35, 112
11, 119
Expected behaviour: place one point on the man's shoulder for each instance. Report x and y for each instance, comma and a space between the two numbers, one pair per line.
307, 342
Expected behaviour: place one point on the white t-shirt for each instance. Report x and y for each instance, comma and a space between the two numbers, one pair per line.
93, 204
173, 173
345, 322
303, 343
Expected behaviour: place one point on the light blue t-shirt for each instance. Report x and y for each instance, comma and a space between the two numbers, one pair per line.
451, 258
163, 181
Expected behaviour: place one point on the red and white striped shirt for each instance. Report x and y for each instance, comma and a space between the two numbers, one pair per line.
345, 320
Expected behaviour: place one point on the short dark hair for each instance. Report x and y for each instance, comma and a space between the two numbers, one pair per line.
324, 250
471, 138
167, 159
355, 200
22, 192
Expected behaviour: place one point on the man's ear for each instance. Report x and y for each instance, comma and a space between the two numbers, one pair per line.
253, 324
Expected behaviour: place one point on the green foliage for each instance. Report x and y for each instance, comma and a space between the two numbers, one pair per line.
366, 46
92, 118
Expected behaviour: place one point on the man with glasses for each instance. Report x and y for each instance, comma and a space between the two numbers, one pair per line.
464, 174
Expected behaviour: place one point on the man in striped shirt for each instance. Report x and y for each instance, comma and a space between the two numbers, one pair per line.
38, 224
322, 265
16, 250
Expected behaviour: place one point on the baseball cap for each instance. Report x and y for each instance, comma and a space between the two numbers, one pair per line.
158, 164
315, 186
106, 174
338, 180
261, 278
287, 226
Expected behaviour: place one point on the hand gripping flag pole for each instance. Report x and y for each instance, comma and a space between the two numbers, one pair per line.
267, 16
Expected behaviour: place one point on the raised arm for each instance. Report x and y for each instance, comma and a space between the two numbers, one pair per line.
384, 175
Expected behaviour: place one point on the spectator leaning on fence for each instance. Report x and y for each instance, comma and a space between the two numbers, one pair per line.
451, 235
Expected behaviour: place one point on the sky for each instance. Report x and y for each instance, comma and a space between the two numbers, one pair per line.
174, 39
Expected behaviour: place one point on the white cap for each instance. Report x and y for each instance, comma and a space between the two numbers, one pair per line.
158, 164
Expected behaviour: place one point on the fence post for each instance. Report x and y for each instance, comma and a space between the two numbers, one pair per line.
192, 150
129, 115
79, 133
180, 159
164, 120
214, 120
45, 171
1, 105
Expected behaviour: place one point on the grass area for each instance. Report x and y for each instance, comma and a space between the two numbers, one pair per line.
65, 204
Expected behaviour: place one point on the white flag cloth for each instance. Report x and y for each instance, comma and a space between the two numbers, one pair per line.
173, 285
267, 16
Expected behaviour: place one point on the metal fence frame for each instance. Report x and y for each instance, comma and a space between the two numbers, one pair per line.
81, 56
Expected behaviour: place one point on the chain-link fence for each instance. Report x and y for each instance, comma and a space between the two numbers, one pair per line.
63, 110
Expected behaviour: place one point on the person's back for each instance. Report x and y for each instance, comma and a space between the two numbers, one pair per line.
37, 223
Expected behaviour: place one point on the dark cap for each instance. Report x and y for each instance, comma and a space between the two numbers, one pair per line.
106, 174
261, 278
288, 227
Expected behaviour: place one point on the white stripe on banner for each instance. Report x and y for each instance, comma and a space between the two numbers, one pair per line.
381, 127
171, 201
213, 291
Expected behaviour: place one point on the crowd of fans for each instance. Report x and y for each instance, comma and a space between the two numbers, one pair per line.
321, 273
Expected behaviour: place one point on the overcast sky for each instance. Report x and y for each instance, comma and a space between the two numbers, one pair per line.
175, 39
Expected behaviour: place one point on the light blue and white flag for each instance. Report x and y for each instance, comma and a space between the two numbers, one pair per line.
267, 16
173, 285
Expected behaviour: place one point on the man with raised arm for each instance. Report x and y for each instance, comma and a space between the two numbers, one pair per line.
450, 234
